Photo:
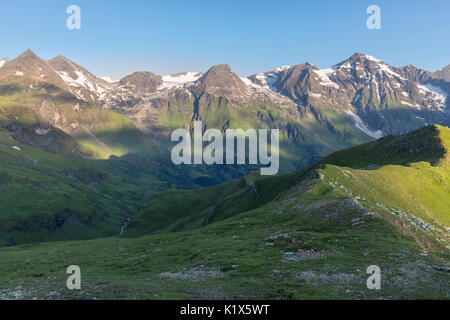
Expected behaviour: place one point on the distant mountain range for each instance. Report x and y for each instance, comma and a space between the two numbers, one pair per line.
317, 110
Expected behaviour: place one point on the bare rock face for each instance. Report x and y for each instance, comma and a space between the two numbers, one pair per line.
299, 81
80, 81
142, 82
414, 74
444, 73
221, 81
31, 66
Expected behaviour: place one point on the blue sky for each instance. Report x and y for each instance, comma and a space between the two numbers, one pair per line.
168, 36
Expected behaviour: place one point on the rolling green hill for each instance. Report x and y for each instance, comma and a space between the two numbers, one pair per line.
409, 174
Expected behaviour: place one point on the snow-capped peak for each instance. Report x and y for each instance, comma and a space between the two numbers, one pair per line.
372, 58
265, 80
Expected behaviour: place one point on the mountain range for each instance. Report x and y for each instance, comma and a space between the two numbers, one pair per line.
318, 111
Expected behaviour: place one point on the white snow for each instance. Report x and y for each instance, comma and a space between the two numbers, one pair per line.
409, 104
19, 73
170, 81
2, 62
361, 126
81, 81
389, 71
282, 68
109, 79
372, 58
16, 148
346, 65
267, 79
247, 81
324, 77
436, 93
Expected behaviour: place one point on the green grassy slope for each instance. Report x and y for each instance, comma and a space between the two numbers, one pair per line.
309, 234
407, 176
27, 104
46, 197
166, 211
312, 242
82, 169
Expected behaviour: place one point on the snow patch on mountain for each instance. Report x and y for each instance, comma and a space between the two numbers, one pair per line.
436, 93
109, 79
282, 68
247, 81
2, 62
363, 127
387, 70
81, 81
176, 80
372, 58
267, 80
324, 75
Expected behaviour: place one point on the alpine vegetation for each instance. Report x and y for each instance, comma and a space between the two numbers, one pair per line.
235, 147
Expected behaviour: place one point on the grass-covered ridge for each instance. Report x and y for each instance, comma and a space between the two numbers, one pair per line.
407, 175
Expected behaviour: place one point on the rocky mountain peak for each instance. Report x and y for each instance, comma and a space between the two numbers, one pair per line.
220, 80
28, 54
444, 73
359, 60
62, 64
28, 64
142, 82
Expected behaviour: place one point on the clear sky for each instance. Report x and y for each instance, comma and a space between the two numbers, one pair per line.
168, 36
